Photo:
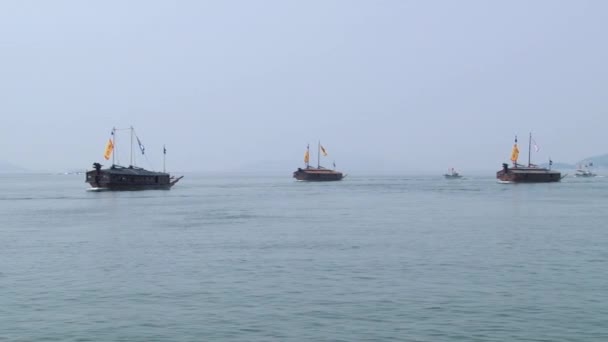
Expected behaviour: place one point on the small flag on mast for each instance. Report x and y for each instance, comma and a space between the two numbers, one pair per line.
164, 150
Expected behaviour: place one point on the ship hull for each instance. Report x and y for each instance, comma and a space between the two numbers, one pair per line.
129, 179
126, 187
528, 175
317, 175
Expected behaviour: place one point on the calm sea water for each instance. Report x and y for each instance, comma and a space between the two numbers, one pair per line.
269, 259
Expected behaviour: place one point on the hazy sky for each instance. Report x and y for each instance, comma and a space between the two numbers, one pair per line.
386, 85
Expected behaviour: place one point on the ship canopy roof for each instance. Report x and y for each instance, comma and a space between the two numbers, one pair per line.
132, 171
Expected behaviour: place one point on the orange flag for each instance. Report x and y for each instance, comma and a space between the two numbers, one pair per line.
514, 154
109, 149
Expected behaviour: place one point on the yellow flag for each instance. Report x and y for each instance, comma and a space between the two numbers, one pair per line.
514, 154
306, 157
323, 150
109, 149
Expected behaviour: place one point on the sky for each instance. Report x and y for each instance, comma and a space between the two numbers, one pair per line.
386, 86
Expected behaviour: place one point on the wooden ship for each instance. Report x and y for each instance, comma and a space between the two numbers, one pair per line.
319, 173
118, 177
526, 174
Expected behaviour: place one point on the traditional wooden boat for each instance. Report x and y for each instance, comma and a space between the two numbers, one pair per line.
118, 177
526, 174
319, 173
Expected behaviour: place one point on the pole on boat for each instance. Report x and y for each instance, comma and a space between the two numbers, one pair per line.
307, 156
164, 157
113, 144
131, 158
515, 161
529, 148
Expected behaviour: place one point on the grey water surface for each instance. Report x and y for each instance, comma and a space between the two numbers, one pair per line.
255, 258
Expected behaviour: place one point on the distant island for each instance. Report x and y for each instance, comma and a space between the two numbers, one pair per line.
280, 166
599, 161
559, 165
6, 167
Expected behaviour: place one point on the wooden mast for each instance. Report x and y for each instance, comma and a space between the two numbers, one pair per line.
529, 149
131, 156
113, 144
307, 156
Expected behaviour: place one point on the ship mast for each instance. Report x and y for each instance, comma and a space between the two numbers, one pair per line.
307, 155
113, 144
529, 149
131, 160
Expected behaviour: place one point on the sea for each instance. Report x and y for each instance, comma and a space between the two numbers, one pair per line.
266, 258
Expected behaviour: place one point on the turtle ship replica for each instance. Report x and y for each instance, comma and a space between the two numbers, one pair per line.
118, 177
319, 173
526, 174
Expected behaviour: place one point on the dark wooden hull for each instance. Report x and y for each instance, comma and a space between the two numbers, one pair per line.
129, 179
317, 175
129, 187
528, 175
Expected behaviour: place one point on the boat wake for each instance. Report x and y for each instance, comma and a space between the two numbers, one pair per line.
97, 189
504, 182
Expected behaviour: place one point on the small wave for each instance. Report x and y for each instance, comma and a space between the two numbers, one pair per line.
39, 198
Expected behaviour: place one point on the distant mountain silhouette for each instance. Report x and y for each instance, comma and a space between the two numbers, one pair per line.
559, 165
269, 167
6, 167
600, 161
